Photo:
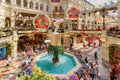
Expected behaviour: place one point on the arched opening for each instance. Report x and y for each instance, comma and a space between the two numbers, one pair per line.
56, 9
83, 24
8, 1
88, 25
92, 25
36, 5
18, 2
41, 6
31, 4
60, 9
79, 38
7, 22
25, 3
47, 8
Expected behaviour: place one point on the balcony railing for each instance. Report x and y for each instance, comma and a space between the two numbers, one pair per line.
5, 34
114, 33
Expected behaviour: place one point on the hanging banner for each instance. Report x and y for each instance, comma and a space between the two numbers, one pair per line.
55, 1
41, 22
73, 13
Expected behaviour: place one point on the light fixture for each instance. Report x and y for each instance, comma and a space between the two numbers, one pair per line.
66, 18
57, 13
69, 5
20, 15
97, 12
79, 2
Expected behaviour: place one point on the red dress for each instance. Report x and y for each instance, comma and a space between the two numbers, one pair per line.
112, 74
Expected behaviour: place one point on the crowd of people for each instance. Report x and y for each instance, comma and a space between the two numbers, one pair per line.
87, 71
28, 55
89, 68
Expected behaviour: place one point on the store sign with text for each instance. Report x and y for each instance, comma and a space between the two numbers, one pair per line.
41, 22
73, 13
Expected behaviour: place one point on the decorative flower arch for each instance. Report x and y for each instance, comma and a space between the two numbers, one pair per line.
41, 22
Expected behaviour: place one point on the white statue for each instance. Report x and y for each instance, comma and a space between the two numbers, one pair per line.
57, 23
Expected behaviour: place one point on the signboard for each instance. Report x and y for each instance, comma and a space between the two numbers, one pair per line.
41, 22
73, 13
55, 1
2, 52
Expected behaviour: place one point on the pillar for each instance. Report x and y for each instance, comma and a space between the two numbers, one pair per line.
90, 24
79, 24
15, 39
22, 3
15, 36
74, 40
105, 53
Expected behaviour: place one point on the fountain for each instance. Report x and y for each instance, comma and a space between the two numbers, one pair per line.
56, 46
55, 62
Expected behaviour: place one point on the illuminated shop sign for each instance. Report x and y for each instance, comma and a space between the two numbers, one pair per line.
41, 22
73, 13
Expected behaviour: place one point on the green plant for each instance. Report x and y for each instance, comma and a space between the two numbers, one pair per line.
55, 50
111, 52
37, 74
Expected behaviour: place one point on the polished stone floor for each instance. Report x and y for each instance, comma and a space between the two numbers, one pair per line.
9, 73
103, 68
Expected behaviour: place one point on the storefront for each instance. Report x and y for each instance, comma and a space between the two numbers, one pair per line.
30, 39
79, 39
117, 55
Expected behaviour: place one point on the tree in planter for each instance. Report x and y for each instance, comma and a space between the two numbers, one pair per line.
56, 50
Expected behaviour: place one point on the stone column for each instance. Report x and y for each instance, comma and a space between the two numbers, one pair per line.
85, 21
34, 5
105, 53
74, 40
79, 23
28, 2
90, 19
15, 38
21, 3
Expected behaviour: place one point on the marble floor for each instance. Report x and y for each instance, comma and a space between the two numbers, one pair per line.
9, 73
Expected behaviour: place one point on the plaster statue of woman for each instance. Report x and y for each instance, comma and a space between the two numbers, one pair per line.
57, 23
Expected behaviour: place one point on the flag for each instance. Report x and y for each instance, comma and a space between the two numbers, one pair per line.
94, 7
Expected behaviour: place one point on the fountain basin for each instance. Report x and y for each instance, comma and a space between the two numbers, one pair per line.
66, 63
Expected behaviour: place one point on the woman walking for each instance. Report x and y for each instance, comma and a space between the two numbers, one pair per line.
112, 74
